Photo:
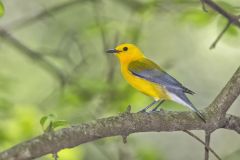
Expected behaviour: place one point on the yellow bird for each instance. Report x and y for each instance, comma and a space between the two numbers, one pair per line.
147, 77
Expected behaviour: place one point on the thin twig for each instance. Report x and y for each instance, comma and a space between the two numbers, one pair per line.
34, 55
207, 144
220, 35
39, 16
201, 141
55, 156
232, 18
99, 24
203, 6
105, 43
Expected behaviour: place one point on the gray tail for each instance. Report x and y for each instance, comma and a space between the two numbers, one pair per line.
199, 114
182, 99
191, 106
186, 90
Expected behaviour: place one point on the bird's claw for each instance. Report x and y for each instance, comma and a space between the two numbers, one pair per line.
161, 110
156, 111
142, 111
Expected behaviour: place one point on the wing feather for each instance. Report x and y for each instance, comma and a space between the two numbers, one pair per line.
147, 69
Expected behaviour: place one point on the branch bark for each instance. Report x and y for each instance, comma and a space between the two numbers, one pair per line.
226, 97
128, 123
124, 124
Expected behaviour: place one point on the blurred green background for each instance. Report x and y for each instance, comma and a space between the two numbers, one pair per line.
73, 78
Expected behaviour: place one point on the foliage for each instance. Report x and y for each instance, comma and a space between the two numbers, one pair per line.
73, 38
2, 10
49, 123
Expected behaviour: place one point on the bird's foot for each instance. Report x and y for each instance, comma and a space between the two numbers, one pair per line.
161, 110
155, 110
142, 111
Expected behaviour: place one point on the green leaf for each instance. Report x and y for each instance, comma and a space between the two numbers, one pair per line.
1, 9
59, 123
49, 123
51, 116
43, 120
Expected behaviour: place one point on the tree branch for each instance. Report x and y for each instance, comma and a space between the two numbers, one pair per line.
232, 123
128, 123
203, 6
124, 124
33, 55
232, 19
220, 35
226, 97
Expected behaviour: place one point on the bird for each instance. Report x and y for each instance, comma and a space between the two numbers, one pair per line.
147, 77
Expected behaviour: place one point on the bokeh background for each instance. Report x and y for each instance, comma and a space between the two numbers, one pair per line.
54, 63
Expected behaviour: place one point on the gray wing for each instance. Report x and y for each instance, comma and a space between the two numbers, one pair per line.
148, 70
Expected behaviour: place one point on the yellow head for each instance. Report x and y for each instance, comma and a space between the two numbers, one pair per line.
127, 52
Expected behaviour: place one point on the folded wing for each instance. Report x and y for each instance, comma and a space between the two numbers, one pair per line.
150, 71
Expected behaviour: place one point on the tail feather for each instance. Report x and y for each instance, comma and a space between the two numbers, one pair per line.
181, 98
186, 90
200, 115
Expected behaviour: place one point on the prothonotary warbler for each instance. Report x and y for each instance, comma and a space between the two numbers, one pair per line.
147, 77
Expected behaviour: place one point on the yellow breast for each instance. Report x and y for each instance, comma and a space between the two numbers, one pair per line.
149, 88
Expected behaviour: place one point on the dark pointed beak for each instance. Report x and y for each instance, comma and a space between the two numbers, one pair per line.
113, 51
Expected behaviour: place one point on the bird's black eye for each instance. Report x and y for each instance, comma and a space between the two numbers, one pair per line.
125, 48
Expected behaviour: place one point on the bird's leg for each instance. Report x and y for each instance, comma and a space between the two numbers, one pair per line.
150, 105
159, 104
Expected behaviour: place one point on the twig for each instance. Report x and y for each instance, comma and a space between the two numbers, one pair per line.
55, 156
201, 141
28, 21
98, 22
207, 144
220, 35
226, 97
203, 6
232, 19
33, 55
